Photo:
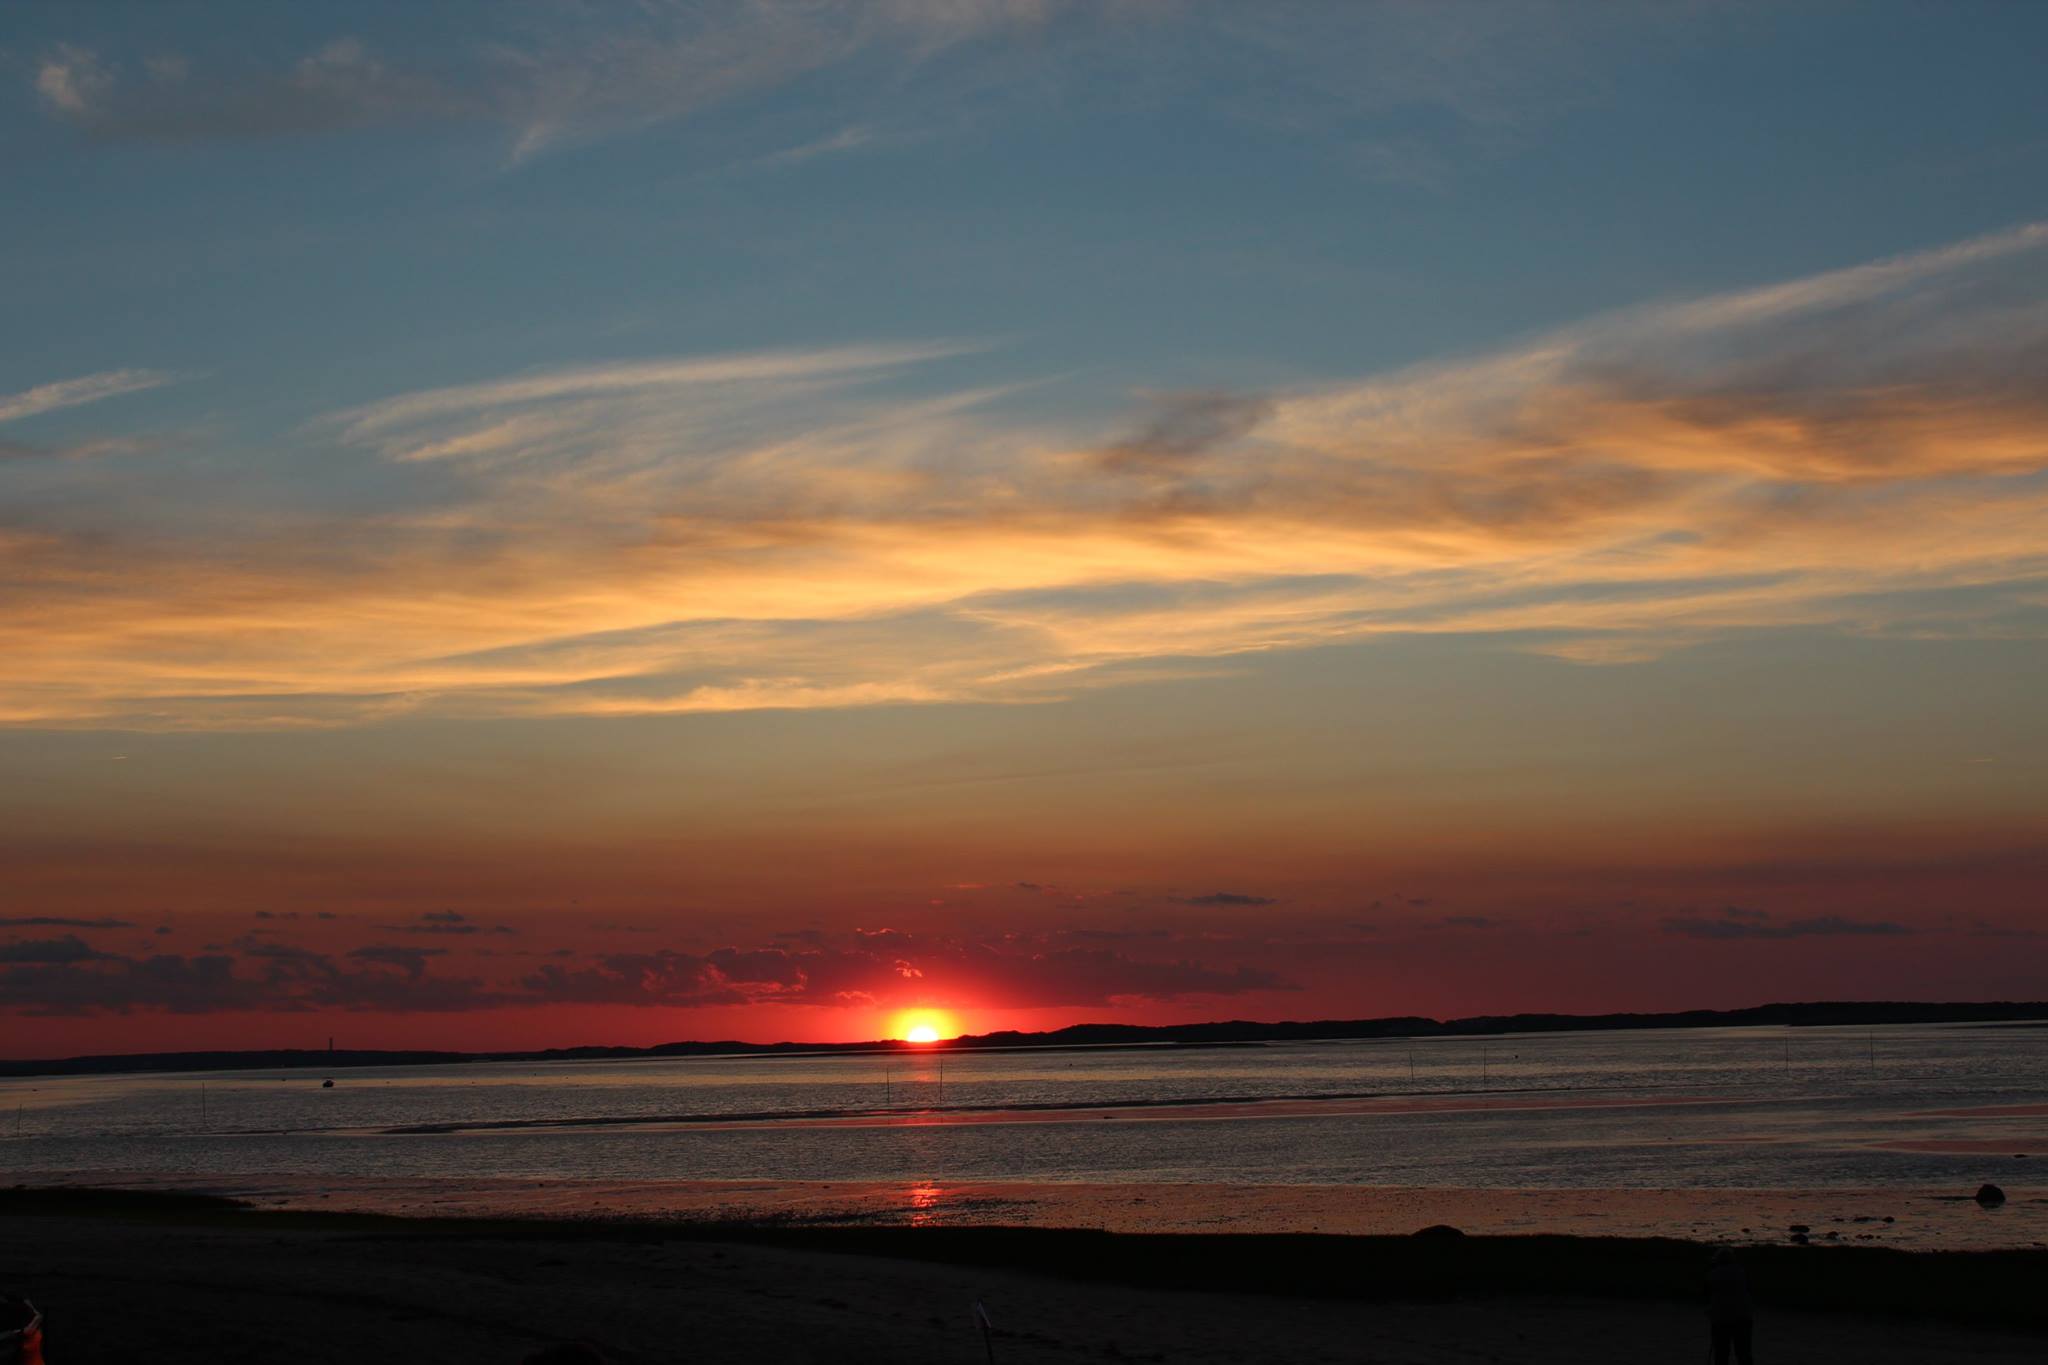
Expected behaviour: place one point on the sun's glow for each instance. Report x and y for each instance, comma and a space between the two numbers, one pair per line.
923, 1026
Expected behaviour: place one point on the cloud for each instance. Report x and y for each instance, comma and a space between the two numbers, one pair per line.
547, 78
71, 81
1185, 425
266, 976
845, 140
167, 982
876, 968
94, 448
1086, 935
1226, 898
445, 922
69, 948
1750, 926
886, 968
1405, 92
412, 961
71, 393
444, 423
63, 922
1857, 451
1985, 929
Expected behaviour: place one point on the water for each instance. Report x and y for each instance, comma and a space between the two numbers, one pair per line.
1695, 1109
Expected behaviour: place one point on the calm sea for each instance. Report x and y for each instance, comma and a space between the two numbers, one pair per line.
1901, 1107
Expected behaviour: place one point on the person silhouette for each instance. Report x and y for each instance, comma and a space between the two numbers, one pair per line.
1728, 1309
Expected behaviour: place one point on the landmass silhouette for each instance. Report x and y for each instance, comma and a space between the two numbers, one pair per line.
1227, 1033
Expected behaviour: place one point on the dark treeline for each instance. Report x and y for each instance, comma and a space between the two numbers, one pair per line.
1229, 1033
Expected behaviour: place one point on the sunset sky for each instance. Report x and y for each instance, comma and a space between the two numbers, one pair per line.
530, 524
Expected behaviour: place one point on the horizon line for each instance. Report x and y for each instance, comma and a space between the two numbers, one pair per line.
1873, 1013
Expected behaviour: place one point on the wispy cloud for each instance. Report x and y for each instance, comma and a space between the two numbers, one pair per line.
63, 922
410, 416
446, 922
1858, 451
71, 80
71, 393
1818, 926
547, 77
845, 140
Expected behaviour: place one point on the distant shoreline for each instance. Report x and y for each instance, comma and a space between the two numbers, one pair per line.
1231, 1033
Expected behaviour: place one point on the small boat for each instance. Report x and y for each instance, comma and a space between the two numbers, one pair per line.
327, 1084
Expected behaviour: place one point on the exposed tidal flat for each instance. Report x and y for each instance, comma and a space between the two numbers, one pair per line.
1914, 1219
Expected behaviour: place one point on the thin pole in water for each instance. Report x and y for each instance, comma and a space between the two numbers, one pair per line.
1482, 1066
1411, 1064
888, 1087
942, 1078
202, 1105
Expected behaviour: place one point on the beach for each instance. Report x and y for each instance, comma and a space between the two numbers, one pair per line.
175, 1279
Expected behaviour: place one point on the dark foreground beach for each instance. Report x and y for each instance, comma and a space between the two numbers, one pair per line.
126, 1277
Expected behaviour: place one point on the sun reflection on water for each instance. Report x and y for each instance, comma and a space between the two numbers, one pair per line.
925, 1197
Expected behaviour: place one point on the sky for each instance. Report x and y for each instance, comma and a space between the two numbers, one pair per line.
529, 525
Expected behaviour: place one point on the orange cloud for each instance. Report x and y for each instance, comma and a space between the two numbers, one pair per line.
1865, 450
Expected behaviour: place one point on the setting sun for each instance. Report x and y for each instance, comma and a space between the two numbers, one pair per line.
923, 1026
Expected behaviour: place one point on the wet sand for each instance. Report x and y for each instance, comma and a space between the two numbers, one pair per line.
1905, 1219
174, 1284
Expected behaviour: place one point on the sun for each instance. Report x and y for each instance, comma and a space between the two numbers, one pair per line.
923, 1026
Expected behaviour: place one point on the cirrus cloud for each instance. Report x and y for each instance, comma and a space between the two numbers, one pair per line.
71, 393
1858, 451
549, 77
